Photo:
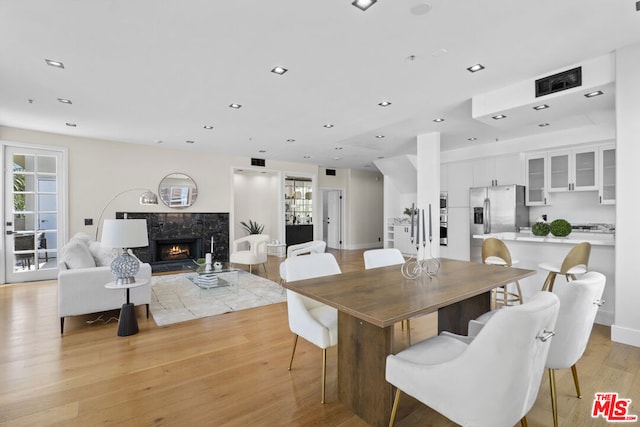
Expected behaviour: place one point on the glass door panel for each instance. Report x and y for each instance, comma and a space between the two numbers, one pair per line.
33, 220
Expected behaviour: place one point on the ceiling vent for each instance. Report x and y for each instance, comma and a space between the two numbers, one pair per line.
559, 82
257, 162
331, 172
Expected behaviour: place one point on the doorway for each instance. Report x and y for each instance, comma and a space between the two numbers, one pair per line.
33, 214
332, 218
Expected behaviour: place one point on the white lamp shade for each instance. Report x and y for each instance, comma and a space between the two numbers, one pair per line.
124, 233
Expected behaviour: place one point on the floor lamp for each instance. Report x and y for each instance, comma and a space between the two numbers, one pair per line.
148, 197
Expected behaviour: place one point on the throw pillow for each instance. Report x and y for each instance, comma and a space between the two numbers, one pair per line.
102, 256
76, 255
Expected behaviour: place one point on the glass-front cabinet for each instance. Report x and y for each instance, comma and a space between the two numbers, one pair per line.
298, 210
607, 175
536, 180
575, 170
298, 201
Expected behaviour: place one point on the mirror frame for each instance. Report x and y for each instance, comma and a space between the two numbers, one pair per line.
178, 190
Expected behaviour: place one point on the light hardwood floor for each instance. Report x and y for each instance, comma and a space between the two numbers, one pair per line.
223, 370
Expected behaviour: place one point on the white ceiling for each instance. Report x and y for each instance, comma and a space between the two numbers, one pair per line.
158, 70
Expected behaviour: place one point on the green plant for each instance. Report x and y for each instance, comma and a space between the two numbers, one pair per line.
560, 228
253, 227
540, 229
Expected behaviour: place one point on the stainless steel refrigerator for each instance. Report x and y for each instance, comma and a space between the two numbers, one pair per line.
495, 210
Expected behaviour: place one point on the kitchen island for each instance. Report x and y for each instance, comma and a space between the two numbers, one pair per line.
532, 250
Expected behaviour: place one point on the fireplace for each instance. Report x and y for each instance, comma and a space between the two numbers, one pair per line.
176, 239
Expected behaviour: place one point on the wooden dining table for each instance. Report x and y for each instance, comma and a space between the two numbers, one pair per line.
370, 302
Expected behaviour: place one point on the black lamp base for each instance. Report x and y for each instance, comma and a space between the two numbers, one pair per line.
128, 323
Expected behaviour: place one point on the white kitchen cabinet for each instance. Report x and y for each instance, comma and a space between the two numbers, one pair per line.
501, 170
536, 177
444, 177
459, 180
575, 170
607, 166
459, 242
402, 239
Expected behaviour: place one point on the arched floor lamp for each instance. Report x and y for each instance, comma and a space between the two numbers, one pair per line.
148, 197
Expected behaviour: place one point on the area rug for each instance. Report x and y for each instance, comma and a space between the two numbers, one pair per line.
175, 298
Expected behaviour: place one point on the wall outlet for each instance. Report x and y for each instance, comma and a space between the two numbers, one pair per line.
88, 221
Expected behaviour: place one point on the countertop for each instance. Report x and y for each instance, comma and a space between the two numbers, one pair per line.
597, 239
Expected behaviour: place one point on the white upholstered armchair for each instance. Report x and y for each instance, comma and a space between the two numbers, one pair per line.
493, 380
256, 254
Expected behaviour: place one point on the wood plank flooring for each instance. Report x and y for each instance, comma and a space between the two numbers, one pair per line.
224, 370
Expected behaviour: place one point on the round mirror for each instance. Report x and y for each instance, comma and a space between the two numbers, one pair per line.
178, 190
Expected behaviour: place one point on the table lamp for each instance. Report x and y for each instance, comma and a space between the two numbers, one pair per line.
124, 234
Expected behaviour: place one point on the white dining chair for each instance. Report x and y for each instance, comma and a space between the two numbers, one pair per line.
579, 303
493, 380
312, 247
375, 258
310, 319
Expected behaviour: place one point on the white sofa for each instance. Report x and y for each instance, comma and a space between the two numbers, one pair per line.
83, 270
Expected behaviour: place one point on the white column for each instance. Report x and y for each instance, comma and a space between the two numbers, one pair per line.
429, 185
626, 327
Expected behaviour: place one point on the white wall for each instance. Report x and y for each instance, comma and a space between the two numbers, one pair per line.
364, 206
257, 198
626, 328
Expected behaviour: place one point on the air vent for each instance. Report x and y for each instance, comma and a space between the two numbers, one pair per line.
257, 162
559, 82
331, 172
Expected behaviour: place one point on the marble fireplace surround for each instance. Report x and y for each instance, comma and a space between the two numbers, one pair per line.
198, 229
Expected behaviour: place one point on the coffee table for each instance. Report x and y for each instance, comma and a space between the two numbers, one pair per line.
224, 277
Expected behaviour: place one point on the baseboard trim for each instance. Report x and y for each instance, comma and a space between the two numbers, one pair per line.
375, 245
625, 335
604, 318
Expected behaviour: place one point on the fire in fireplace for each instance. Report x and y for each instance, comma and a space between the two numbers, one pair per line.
173, 252
177, 249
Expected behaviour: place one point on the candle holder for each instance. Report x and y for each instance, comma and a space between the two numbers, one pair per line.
414, 267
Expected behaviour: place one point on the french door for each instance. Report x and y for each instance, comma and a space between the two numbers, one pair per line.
33, 213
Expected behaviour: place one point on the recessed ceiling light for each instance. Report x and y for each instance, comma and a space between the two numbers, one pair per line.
592, 94
338, 148
475, 68
64, 100
307, 157
236, 106
542, 125
363, 4
499, 117
328, 125
384, 103
71, 125
473, 138
159, 141
208, 127
262, 151
53, 63
336, 158
291, 140
541, 107
381, 157
379, 136
279, 70
190, 142
420, 9
438, 120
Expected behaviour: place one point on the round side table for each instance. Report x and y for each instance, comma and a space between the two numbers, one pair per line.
127, 323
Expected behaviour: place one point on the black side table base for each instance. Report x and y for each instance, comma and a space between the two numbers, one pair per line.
128, 323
